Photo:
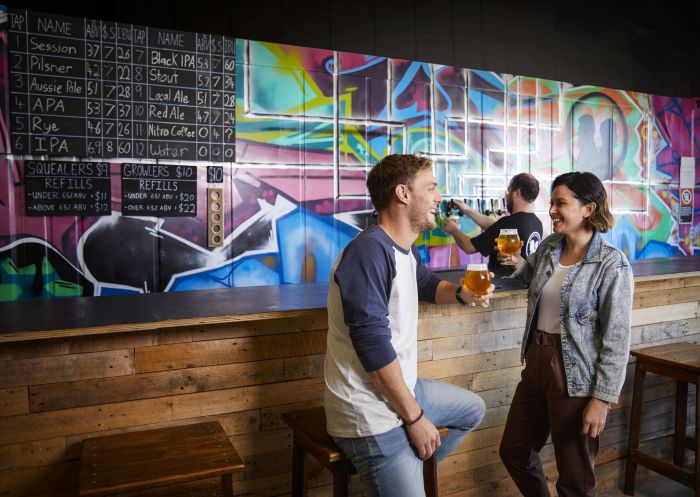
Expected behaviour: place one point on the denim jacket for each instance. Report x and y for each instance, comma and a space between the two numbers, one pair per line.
595, 312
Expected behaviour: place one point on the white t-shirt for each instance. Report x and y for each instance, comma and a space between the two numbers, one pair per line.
372, 320
549, 315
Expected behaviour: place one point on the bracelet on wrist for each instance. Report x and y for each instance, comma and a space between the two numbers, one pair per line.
409, 423
458, 296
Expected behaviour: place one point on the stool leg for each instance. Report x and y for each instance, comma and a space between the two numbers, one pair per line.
681, 420
697, 439
635, 420
341, 478
228, 485
430, 476
298, 469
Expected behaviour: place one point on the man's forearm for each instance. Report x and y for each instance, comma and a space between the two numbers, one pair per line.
390, 383
464, 242
445, 293
482, 220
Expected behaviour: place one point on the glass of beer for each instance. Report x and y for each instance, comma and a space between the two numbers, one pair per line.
477, 279
439, 217
508, 243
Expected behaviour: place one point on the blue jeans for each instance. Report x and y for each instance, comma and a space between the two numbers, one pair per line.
388, 464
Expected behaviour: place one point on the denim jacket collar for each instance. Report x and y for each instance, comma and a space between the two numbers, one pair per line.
593, 254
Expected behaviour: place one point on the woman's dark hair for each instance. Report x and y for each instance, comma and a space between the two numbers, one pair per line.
587, 188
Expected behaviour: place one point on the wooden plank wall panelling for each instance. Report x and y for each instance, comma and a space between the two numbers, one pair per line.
55, 393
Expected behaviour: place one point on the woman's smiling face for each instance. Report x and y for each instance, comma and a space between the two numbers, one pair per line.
567, 212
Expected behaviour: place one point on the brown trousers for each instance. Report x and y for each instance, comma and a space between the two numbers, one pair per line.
541, 405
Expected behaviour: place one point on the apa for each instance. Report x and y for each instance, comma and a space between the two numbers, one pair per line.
48, 104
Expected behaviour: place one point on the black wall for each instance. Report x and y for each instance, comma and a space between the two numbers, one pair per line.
642, 45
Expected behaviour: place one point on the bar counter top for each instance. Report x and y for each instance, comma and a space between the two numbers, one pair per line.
30, 320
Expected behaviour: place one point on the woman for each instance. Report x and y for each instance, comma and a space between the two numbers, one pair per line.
576, 341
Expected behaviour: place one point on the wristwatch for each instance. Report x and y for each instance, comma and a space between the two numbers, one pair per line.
459, 297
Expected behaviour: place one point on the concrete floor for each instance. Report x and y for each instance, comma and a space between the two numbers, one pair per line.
656, 486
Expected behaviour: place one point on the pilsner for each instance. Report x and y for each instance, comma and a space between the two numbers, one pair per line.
478, 279
508, 243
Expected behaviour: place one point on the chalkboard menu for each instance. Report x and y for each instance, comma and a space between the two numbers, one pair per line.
67, 188
161, 190
87, 88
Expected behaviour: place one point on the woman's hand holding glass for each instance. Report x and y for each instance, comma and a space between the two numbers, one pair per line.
477, 288
514, 259
509, 244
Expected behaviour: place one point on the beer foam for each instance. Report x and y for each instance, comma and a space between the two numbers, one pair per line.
477, 267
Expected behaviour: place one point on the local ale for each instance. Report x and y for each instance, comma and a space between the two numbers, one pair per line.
478, 279
509, 242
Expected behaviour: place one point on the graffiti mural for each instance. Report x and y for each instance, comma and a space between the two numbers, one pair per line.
309, 125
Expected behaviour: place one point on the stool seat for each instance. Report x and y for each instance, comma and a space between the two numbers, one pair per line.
309, 425
310, 436
166, 460
680, 362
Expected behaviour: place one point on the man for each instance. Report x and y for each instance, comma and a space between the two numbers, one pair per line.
520, 198
380, 414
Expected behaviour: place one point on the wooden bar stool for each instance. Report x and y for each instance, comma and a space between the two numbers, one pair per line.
309, 435
193, 459
681, 362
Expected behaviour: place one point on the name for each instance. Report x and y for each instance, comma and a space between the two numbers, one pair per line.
51, 48
38, 63
54, 26
166, 112
170, 39
174, 59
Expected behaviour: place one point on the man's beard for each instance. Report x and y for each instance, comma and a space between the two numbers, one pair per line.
420, 222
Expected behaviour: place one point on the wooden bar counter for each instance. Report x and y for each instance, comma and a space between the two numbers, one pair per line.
79, 368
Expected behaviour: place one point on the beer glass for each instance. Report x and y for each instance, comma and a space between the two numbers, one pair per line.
508, 243
439, 217
477, 279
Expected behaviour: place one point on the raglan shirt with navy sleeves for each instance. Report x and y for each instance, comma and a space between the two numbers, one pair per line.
372, 320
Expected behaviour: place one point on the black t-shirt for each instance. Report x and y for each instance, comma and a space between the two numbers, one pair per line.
529, 230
